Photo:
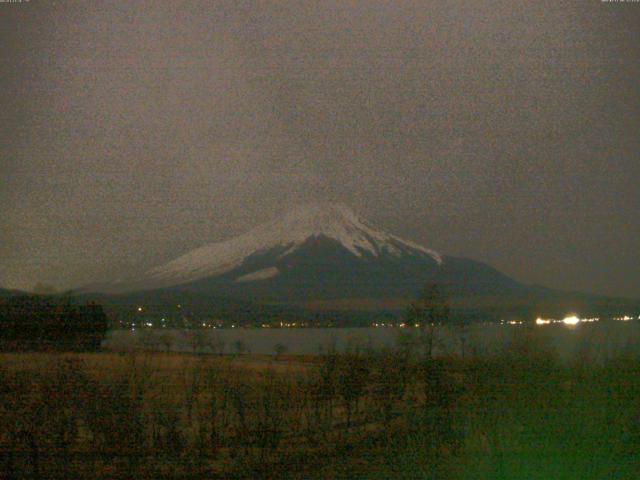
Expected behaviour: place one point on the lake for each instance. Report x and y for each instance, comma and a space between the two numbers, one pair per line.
601, 340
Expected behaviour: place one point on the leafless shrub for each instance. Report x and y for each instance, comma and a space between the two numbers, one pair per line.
353, 375
217, 344
148, 339
389, 379
279, 349
197, 340
167, 340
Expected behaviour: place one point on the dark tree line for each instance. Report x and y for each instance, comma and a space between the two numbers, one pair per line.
31, 322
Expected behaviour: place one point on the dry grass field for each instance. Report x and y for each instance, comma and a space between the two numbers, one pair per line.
359, 414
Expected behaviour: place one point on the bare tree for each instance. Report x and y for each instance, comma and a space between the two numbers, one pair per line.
240, 347
428, 313
148, 339
197, 339
217, 344
279, 349
352, 379
167, 341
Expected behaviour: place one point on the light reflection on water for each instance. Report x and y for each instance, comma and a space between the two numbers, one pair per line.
599, 340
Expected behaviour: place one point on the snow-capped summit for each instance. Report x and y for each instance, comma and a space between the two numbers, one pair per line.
320, 258
332, 221
314, 253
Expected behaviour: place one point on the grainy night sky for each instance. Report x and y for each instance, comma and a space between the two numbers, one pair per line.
505, 132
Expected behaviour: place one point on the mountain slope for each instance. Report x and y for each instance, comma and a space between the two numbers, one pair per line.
286, 236
6, 293
316, 253
325, 256
317, 235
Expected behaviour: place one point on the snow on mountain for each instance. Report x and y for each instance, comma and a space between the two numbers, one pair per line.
259, 275
333, 221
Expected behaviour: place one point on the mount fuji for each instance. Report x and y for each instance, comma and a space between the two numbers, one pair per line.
324, 261
321, 255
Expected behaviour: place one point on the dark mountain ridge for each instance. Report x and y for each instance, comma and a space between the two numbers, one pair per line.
324, 258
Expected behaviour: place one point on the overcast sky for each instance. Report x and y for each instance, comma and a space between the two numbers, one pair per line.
134, 131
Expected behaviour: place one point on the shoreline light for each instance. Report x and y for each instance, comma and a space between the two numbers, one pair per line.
571, 320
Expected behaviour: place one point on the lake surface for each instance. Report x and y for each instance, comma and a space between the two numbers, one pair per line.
598, 341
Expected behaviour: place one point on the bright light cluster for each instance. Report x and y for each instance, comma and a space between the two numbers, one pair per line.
511, 322
589, 320
397, 325
379, 325
289, 324
571, 320
568, 320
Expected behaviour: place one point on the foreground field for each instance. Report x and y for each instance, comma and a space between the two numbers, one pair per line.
360, 414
